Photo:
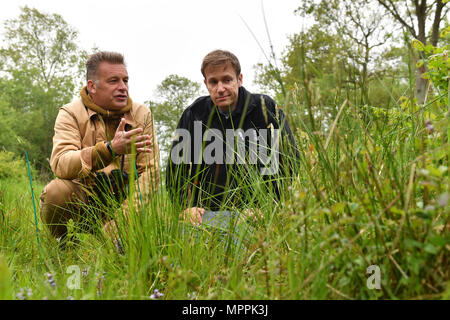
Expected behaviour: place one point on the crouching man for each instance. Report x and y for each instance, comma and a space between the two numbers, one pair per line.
207, 170
98, 137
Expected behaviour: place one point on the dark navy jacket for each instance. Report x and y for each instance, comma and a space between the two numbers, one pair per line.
222, 185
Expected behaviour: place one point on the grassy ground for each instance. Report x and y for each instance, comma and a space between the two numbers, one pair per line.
365, 216
370, 194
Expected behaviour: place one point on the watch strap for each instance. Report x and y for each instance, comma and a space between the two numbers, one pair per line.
109, 147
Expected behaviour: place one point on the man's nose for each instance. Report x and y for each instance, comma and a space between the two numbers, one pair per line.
123, 85
220, 87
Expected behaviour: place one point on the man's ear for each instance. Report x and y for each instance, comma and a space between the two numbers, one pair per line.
240, 79
91, 86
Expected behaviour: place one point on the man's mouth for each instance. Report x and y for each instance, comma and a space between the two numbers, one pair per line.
222, 98
121, 97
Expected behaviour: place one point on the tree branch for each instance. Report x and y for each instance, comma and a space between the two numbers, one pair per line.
392, 9
437, 20
421, 19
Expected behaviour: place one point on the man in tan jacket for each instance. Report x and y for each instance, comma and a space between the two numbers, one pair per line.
102, 131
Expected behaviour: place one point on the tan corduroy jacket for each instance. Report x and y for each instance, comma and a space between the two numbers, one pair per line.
80, 132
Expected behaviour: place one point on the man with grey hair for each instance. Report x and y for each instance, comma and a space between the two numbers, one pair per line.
97, 139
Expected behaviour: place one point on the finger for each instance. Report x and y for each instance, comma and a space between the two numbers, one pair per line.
199, 218
132, 132
194, 220
143, 147
144, 137
121, 126
144, 150
140, 145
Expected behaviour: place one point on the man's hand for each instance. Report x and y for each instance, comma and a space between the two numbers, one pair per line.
122, 141
194, 215
251, 214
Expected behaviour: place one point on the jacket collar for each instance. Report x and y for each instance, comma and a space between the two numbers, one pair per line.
245, 102
127, 115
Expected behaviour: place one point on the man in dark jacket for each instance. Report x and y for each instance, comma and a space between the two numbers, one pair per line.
224, 141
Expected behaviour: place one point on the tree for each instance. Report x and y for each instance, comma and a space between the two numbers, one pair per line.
414, 16
41, 69
334, 59
357, 26
43, 46
310, 57
175, 93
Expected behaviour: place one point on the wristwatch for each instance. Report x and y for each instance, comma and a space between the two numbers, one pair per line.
108, 145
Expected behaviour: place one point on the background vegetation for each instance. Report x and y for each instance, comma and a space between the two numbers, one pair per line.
365, 89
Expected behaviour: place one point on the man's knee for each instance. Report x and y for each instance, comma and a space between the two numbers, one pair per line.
58, 203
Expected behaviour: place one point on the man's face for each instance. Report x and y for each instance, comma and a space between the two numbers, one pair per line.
223, 85
110, 90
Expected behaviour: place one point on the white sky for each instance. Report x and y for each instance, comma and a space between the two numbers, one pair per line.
162, 37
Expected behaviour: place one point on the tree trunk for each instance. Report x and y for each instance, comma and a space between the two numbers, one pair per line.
420, 11
421, 86
437, 20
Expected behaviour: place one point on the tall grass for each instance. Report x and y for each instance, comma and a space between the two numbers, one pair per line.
370, 188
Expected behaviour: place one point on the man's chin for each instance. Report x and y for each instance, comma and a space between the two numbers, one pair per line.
223, 104
117, 106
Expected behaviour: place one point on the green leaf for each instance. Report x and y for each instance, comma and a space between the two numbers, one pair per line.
423, 215
437, 172
338, 207
353, 206
410, 243
429, 48
430, 248
397, 211
5, 282
416, 44
438, 241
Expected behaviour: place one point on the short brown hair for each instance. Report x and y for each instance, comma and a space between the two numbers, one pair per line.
95, 59
221, 57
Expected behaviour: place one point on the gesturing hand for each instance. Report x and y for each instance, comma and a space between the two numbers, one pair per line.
251, 214
194, 214
123, 140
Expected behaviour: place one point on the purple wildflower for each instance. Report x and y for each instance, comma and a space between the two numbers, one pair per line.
156, 294
429, 126
51, 280
24, 293
119, 247
192, 296
442, 200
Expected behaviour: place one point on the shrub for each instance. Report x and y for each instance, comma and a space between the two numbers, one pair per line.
11, 167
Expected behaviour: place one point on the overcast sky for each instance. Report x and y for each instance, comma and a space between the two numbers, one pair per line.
162, 37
